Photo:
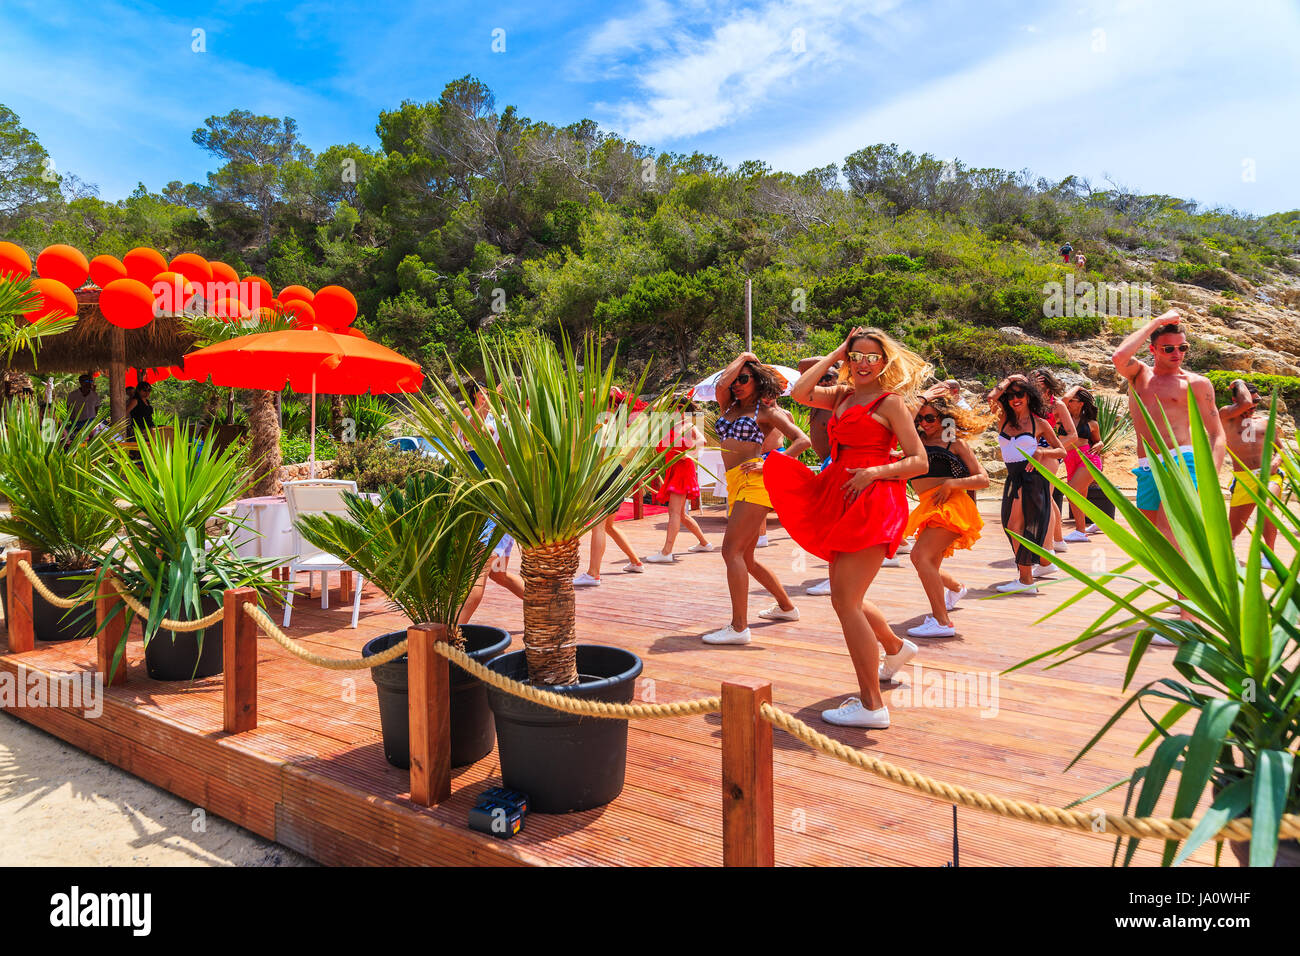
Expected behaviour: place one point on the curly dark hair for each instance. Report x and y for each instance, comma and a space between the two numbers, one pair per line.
1053, 383
1037, 406
1089, 413
769, 389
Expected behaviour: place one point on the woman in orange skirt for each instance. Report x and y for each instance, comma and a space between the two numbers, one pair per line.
852, 512
946, 516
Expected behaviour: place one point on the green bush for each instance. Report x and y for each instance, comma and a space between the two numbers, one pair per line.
295, 449
985, 351
374, 464
1287, 386
1221, 311
1071, 327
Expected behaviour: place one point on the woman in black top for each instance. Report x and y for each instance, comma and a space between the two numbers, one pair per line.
946, 517
140, 410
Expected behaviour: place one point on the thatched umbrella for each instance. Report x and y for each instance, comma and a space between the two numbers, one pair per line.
95, 343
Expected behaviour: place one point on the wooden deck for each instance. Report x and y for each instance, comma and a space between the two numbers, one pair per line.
313, 776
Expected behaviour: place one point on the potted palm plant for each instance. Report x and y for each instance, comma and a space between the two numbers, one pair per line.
166, 556
424, 548
44, 472
1231, 724
555, 463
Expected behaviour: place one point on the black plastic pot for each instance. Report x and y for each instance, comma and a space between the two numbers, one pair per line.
562, 762
172, 656
1288, 852
472, 728
52, 623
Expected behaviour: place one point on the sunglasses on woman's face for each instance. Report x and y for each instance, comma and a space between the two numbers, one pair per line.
929, 418
743, 378
1017, 393
871, 358
1171, 349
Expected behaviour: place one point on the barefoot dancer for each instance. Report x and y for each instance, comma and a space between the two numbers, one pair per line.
946, 517
750, 430
1085, 444
680, 485
852, 514
1245, 432
1026, 440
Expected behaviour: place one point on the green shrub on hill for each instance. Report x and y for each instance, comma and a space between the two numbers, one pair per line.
985, 351
1287, 386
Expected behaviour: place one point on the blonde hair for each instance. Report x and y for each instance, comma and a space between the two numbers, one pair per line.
904, 370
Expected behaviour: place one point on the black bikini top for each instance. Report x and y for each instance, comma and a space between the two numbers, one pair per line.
944, 463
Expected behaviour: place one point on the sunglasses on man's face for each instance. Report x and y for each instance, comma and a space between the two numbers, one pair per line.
1171, 349
871, 358
929, 418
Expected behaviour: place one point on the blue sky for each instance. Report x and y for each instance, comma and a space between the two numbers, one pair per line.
1197, 98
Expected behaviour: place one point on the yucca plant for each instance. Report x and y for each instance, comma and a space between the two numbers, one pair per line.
45, 470
1237, 653
561, 464
422, 544
1114, 423
164, 503
369, 415
17, 334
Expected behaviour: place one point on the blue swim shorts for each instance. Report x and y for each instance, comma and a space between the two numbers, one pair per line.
1148, 496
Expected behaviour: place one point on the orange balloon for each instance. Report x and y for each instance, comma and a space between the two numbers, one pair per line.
193, 267
55, 299
15, 263
171, 293
63, 263
302, 312
222, 272
143, 263
127, 303
298, 292
230, 309
335, 306
104, 269
255, 292
355, 333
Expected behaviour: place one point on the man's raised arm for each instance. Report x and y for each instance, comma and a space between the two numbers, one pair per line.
1125, 357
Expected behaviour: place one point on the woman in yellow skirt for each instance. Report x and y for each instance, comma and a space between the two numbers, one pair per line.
946, 517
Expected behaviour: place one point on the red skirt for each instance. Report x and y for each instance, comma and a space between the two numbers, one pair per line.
811, 506
679, 479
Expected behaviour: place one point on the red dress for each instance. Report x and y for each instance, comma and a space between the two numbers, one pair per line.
680, 478
811, 504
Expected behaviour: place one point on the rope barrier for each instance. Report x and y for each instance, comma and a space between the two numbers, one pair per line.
333, 663
1094, 821
180, 627
39, 587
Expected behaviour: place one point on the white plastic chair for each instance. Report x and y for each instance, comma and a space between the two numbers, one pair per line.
317, 496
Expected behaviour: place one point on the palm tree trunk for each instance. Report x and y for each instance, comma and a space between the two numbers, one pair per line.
550, 644
264, 441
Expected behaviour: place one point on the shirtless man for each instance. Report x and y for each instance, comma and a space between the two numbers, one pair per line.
1245, 435
1163, 388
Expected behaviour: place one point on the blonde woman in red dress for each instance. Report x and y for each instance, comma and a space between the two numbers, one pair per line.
852, 513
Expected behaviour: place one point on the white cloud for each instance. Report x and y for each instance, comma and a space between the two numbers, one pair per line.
711, 71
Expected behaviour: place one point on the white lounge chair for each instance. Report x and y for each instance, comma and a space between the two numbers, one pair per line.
317, 496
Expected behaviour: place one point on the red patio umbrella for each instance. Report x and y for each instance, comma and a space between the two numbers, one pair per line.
309, 362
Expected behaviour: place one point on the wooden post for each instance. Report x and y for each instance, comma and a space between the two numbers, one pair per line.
22, 635
638, 503
748, 822
429, 699
117, 374
239, 652
347, 581
110, 634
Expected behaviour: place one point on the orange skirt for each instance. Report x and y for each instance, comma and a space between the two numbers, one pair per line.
958, 514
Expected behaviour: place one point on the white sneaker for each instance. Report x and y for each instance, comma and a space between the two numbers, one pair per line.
891, 563
728, 635
658, 558
762, 541
1041, 569
1076, 536
893, 663
585, 580
1092, 529
950, 598
1014, 587
1060, 547
820, 588
774, 613
905, 547
932, 628
701, 548
1161, 641
851, 713
634, 568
